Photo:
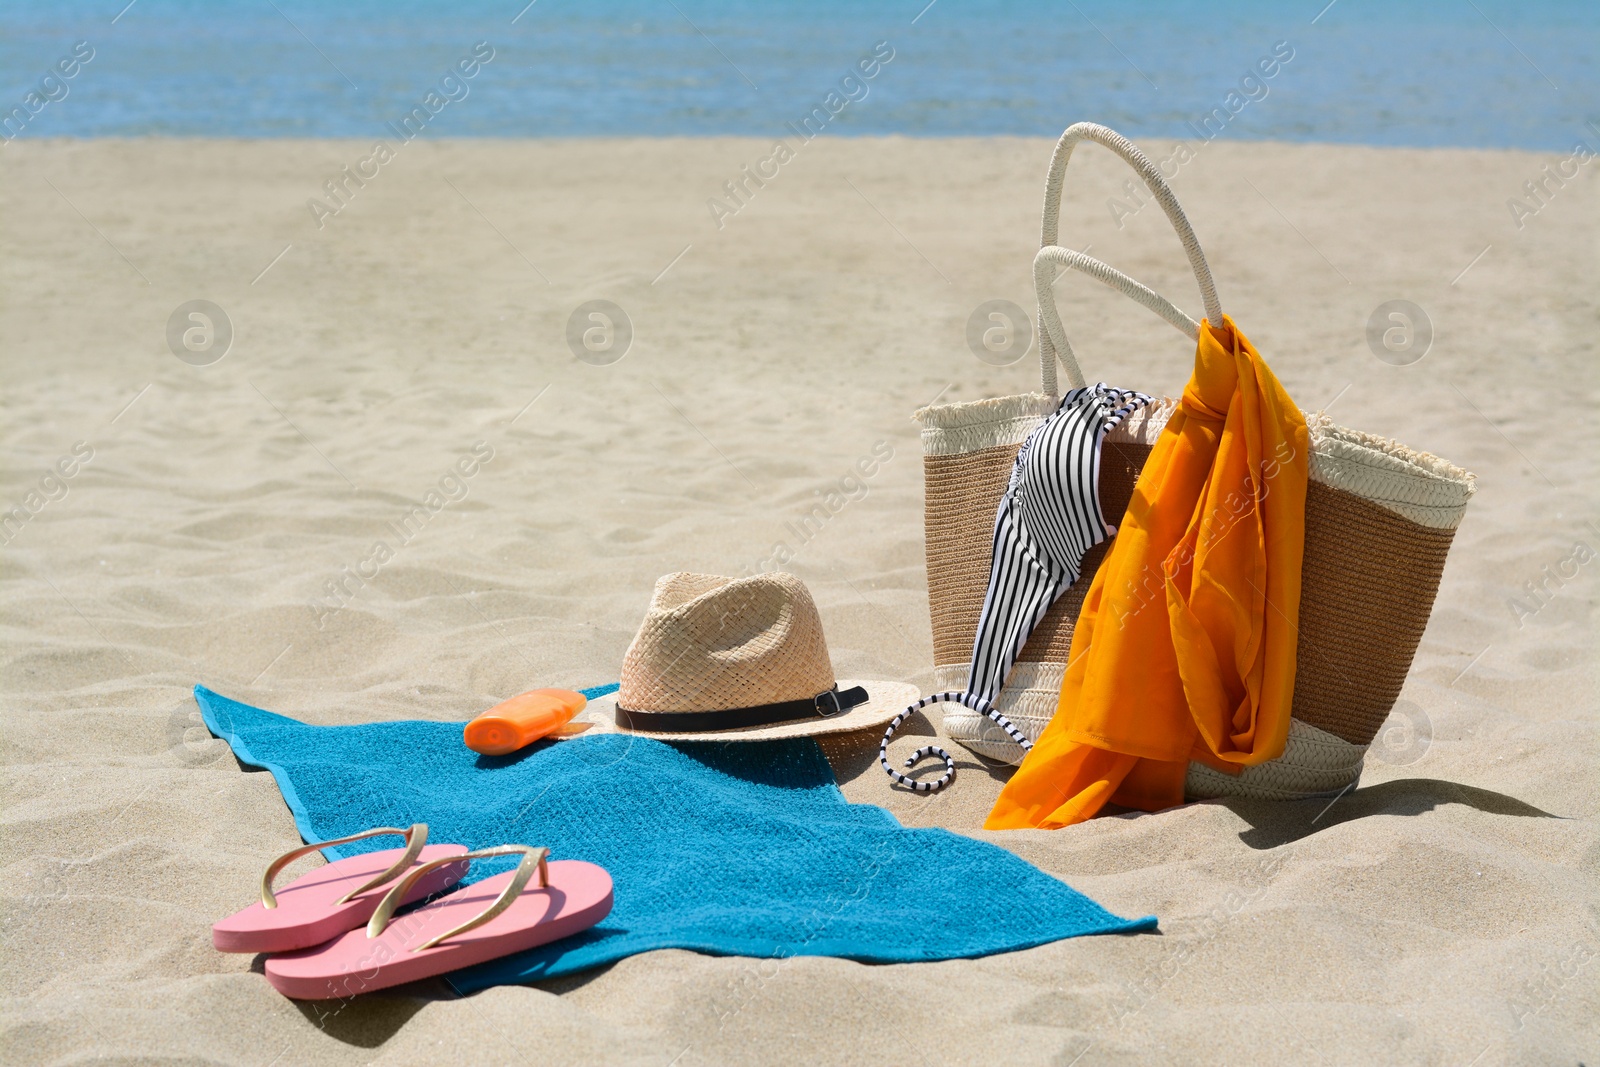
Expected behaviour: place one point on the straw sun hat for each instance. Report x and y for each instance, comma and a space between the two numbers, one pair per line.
740, 659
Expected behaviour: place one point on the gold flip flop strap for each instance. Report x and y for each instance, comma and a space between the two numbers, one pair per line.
416, 837
533, 859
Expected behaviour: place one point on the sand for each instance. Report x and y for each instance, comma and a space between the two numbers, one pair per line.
1445, 912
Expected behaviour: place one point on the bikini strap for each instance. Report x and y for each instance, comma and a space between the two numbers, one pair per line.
968, 700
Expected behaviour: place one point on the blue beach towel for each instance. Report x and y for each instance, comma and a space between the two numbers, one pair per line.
732, 849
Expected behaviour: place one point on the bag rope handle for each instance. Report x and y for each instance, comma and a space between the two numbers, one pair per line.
1044, 276
1053, 342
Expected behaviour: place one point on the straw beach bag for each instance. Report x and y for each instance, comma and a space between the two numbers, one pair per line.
1379, 522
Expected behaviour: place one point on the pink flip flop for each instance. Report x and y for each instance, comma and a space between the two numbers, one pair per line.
337, 897
484, 921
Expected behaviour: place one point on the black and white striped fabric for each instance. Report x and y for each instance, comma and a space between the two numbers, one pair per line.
1047, 519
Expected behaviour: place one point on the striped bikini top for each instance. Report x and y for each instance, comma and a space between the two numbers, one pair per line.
1048, 518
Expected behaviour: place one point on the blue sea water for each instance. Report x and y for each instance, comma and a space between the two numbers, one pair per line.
1488, 73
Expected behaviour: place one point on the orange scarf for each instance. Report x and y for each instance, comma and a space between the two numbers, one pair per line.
1185, 648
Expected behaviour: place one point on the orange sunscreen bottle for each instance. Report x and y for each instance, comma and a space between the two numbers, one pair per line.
522, 720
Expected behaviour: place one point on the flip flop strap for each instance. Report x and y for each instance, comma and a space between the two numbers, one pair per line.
416, 837
533, 860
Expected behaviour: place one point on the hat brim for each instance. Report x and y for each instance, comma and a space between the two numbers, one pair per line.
885, 700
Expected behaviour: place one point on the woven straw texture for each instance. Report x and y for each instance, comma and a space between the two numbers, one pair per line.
1422, 487
710, 643
953, 429
1314, 762
1367, 588
963, 492
1379, 521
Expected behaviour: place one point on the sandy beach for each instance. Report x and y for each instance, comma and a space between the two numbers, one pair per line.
1445, 912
